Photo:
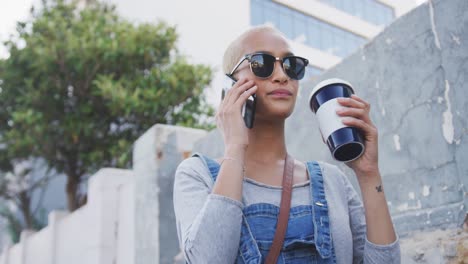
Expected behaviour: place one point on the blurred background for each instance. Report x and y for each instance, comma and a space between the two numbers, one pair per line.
327, 31
82, 84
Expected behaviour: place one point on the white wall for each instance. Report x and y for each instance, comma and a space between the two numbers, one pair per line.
98, 233
402, 6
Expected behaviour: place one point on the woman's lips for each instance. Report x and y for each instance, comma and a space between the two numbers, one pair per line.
281, 93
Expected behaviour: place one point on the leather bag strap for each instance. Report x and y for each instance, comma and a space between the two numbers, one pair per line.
283, 217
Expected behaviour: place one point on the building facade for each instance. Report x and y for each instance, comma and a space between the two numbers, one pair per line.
324, 31
332, 28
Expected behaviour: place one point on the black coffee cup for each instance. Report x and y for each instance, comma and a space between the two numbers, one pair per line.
345, 143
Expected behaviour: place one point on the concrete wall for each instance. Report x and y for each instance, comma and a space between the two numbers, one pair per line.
100, 232
155, 157
414, 75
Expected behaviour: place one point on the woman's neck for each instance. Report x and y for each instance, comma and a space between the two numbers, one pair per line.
266, 142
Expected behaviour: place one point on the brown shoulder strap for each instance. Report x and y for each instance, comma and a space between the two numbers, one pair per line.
283, 217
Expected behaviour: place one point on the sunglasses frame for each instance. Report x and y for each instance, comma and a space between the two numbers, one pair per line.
248, 57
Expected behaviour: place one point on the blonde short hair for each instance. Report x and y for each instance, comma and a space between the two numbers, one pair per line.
235, 50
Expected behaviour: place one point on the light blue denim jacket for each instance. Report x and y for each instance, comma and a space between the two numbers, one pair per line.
322, 228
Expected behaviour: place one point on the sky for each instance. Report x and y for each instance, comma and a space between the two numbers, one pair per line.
17, 10
10, 12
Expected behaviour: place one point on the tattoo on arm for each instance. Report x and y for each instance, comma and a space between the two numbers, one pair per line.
379, 188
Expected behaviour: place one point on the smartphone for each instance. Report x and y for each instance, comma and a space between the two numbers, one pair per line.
248, 109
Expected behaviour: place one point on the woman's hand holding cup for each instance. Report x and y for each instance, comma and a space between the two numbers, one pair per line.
345, 125
356, 113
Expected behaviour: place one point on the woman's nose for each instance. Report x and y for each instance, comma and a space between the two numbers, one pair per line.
278, 73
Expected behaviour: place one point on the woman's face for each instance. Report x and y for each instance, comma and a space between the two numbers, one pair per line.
276, 95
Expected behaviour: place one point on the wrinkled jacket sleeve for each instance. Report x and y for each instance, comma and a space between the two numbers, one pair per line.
208, 225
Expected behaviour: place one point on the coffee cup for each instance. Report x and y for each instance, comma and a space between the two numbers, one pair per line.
345, 143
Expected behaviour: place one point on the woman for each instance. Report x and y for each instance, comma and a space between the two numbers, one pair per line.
227, 209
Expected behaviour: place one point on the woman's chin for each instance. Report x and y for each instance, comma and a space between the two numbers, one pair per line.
274, 111
283, 111
277, 114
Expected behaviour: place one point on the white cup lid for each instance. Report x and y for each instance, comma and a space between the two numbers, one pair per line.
327, 82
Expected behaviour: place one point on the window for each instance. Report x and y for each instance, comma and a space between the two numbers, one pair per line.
313, 33
286, 22
311, 73
271, 13
305, 29
369, 10
256, 12
300, 29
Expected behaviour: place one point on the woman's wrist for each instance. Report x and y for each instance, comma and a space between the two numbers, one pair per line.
231, 173
236, 151
371, 186
370, 178
367, 172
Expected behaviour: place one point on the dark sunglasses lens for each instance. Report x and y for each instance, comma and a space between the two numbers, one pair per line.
295, 67
262, 65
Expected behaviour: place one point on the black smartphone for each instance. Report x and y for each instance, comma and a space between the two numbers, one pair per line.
248, 109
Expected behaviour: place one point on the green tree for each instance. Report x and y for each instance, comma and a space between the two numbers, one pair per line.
17, 188
81, 84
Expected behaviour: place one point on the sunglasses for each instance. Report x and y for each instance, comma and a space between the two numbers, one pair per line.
263, 65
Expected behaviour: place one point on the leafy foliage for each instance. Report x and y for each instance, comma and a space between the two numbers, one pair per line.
80, 85
17, 188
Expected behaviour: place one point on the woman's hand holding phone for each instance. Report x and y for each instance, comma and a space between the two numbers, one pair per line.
229, 118
232, 126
